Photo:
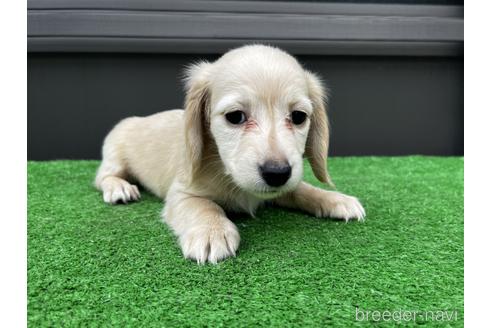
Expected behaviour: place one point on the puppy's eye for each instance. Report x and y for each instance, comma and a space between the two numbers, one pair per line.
298, 117
236, 117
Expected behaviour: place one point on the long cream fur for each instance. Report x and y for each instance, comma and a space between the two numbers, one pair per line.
202, 165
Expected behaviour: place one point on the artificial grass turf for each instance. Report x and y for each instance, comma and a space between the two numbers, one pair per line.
92, 264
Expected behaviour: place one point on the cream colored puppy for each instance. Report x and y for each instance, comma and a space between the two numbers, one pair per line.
249, 119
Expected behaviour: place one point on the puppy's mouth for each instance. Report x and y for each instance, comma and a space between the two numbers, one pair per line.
268, 194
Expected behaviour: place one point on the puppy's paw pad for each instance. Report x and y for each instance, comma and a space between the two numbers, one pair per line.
343, 207
210, 243
121, 192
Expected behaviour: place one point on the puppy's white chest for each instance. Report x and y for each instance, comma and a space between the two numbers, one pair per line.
242, 202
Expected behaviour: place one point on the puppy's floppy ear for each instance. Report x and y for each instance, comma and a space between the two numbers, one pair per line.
196, 114
318, 136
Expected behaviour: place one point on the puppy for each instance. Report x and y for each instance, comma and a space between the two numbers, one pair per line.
249, 119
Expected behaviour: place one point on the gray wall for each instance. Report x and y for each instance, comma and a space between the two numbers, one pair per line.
395, 68
379, 105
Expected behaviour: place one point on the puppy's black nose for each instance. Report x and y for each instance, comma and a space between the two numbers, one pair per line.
275, 174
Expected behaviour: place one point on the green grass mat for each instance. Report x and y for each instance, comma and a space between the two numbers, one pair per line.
92, 264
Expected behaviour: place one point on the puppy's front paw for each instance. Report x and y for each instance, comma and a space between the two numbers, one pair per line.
210, 243
340, 206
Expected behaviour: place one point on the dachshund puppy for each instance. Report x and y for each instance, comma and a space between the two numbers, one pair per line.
249, 119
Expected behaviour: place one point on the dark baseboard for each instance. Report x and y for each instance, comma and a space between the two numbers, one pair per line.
378, 106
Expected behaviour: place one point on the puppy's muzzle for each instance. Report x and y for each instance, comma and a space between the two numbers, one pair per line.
275, 174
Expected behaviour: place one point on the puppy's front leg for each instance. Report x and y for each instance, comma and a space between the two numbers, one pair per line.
204, 231
323, 203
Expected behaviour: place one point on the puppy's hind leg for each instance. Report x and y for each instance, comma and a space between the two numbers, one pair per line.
110, 178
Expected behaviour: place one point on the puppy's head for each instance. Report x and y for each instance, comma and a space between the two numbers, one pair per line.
264, 112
